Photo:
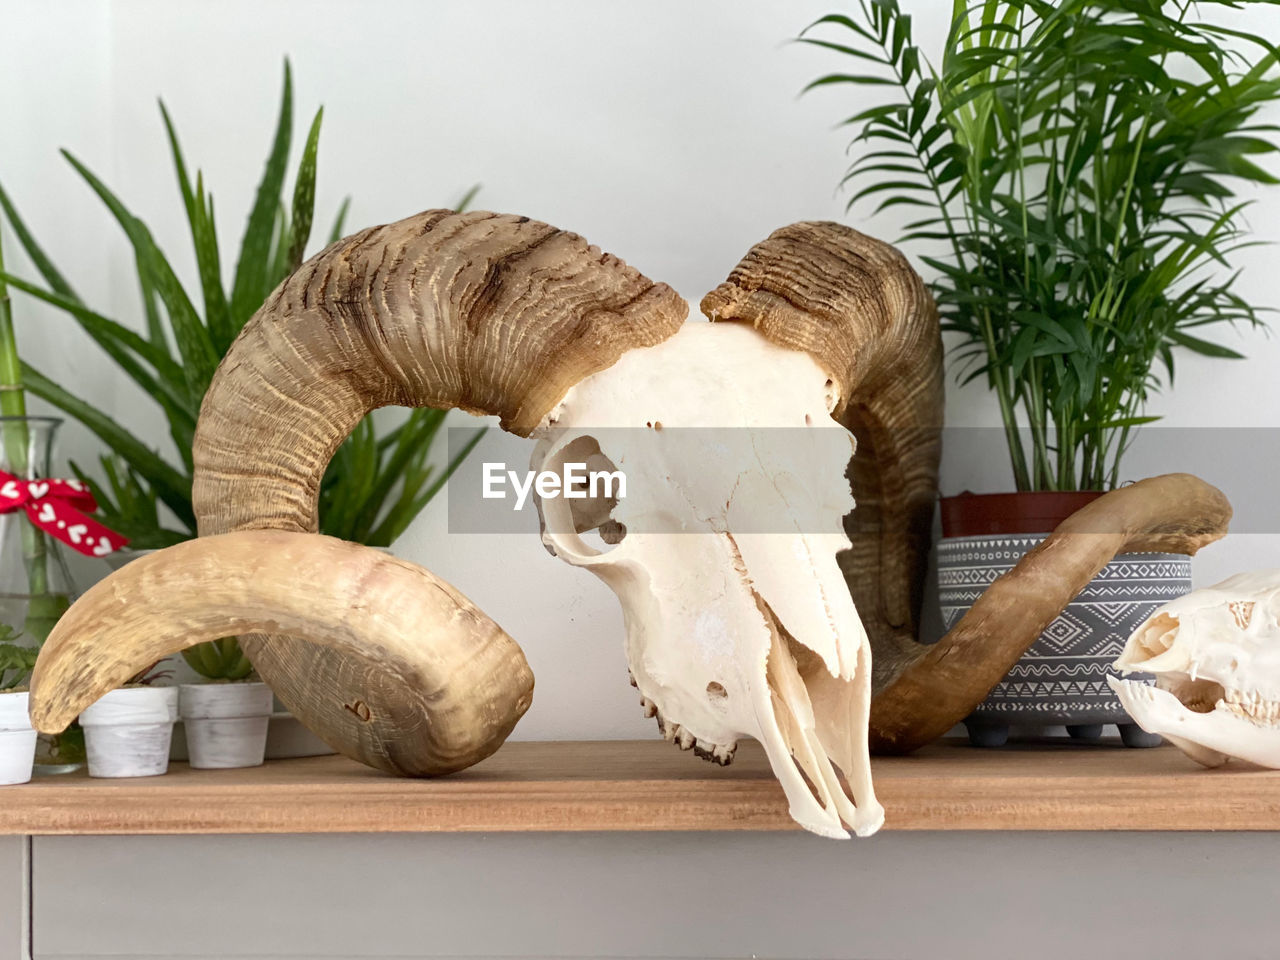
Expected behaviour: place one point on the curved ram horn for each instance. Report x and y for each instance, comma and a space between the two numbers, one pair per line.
934, 687
489, 313
474, 685
858, 308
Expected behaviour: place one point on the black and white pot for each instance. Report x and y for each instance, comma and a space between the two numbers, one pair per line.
1061, 679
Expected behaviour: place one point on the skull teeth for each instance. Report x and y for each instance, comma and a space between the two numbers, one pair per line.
715, 752
719, 753
1253, 705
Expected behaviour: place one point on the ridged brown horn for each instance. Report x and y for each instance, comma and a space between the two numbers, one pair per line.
858, 308
474, 684
492, 314
489, 313
855, 305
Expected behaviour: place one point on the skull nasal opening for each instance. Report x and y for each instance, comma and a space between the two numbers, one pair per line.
1157, 636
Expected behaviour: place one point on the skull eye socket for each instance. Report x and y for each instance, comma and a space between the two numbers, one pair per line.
579, 521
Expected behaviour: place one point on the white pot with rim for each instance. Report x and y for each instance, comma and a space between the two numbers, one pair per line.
17, 739
127, 733
226, 723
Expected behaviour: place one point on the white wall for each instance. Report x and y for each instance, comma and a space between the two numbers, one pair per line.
668, 132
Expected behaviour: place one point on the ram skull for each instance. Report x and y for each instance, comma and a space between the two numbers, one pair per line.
738, 620
1215, 654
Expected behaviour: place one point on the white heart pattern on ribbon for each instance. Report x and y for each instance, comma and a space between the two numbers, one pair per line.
55, 506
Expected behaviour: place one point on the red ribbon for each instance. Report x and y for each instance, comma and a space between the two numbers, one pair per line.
55, 507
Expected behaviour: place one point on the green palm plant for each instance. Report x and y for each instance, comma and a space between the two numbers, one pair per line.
1077, 162
380, 478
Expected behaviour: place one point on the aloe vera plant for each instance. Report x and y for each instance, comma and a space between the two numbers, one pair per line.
1073, 167
379, 480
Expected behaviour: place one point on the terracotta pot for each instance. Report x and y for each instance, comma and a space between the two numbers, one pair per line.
982, 514
1061, 679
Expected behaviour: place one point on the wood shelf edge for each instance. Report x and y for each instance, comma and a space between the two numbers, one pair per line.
648, 786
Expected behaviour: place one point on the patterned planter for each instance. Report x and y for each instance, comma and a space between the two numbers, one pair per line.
1061, 679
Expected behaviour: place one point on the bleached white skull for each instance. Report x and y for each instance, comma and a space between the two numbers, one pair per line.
738, 620
1215, 654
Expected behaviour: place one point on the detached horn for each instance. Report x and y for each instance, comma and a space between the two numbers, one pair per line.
489, 313
856, 306
474, 685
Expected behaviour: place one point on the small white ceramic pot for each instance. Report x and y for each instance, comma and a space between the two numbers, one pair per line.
127, 733
226, 723
17, 739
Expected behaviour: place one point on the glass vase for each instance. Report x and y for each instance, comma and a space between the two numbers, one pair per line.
35, 584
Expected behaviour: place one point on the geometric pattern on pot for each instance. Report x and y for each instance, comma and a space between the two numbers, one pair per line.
1062, 677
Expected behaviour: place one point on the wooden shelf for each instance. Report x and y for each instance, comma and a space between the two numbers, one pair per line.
650, 785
